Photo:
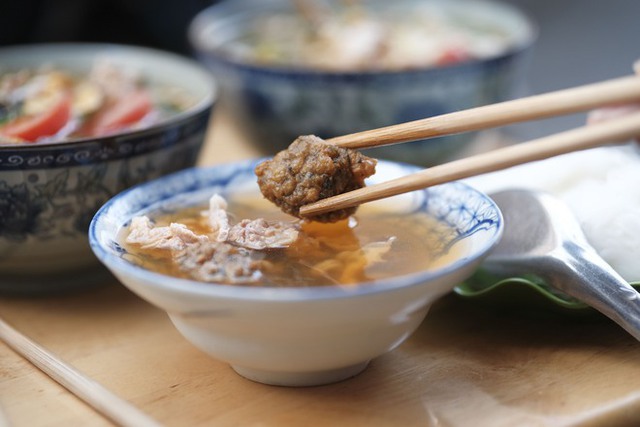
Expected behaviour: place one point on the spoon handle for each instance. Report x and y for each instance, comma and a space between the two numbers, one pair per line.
592, 280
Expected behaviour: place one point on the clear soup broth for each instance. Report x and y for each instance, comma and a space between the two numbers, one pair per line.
374, 244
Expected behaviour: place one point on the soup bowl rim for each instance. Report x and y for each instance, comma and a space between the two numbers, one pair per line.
206, 98
150, 279
201, 20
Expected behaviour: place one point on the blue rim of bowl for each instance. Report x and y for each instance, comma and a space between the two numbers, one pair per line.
209, 97
301, 72
37, 156
281, 294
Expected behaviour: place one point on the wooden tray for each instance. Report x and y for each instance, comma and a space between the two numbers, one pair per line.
467, 365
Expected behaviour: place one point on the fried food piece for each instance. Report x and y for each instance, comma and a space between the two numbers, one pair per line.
309, 170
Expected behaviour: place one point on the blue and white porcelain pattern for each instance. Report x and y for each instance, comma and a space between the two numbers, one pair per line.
49, 192
275, 105
284, 335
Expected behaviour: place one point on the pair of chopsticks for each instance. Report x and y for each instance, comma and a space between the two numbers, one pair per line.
108, 404
607, 93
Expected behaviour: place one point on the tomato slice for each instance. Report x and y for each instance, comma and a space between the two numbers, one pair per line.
119, 114
31, 128
453, 55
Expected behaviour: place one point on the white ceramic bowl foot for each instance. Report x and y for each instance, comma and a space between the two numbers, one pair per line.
300, 379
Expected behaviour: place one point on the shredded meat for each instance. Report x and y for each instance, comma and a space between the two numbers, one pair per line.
262, 234
220, 262
175, 237
310, 170
229, 254
218, 218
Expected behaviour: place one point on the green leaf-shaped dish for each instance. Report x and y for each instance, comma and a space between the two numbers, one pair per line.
522, 291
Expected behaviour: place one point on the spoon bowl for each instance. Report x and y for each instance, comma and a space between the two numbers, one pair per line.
543, 238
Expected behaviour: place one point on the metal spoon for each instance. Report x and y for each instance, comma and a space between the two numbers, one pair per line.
542, 237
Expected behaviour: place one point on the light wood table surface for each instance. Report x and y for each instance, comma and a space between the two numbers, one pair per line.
467, 365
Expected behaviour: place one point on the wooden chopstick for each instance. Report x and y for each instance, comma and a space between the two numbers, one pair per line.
609, 92
4, 421
113, 407
581, 138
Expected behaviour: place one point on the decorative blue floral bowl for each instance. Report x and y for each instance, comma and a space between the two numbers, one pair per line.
297, 335
50, 191
273, 105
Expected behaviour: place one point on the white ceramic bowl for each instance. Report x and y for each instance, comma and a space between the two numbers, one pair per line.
295, 336
50, 191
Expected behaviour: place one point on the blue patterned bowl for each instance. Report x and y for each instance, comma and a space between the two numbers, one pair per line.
273, 105
296, 335
50, 191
